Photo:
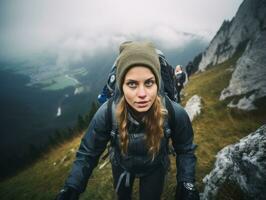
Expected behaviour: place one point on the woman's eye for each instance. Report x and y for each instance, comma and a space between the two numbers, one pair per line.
132, 84
149, 83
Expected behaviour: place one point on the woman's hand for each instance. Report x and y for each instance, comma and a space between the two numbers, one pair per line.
68, 193
186, 191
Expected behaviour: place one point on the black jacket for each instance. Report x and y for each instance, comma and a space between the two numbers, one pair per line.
97, 136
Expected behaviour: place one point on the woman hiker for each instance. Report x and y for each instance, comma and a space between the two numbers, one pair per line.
139, 139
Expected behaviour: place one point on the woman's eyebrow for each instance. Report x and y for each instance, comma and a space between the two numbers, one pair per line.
129, 80
150, 78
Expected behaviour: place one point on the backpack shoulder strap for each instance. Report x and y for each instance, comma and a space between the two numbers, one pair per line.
109, 114
171, 113
169, 124
111, 118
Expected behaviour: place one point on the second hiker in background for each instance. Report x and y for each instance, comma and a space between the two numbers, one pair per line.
180, 80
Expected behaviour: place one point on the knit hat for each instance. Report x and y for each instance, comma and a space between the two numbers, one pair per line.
137, 53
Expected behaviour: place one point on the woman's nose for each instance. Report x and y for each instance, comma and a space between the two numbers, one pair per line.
142, 92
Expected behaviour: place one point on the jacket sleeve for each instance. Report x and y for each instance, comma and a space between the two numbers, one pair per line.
91, 147
182, 140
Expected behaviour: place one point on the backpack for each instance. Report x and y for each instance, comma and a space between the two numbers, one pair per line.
167, 86
168, 78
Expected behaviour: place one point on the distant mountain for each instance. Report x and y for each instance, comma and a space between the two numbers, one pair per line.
245, 32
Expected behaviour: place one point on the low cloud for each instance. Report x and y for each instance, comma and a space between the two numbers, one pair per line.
71, 31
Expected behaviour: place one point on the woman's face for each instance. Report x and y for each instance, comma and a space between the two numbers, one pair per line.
140, 88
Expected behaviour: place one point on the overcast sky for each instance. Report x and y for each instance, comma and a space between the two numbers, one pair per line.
54, 26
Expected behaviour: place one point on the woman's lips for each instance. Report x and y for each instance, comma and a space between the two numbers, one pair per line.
142, 103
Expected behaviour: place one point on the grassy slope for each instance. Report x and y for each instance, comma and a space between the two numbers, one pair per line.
218, 125
215, 128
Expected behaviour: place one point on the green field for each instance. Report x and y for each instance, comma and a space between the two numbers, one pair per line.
63, 81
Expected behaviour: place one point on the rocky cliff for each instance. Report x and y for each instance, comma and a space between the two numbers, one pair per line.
246, 32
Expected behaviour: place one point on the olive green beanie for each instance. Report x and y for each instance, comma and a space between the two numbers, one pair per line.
137, 53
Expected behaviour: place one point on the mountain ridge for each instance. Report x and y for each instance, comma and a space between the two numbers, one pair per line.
247, 32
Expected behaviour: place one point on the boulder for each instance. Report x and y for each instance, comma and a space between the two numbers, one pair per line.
244, 164
193, 106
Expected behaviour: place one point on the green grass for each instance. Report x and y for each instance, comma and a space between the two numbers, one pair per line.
61, 81
41, 180
216, 127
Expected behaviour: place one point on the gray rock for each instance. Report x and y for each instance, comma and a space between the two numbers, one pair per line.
244, 104
244, 163
249, 76
193, 106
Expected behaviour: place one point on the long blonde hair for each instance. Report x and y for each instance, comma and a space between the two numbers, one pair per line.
153, 120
